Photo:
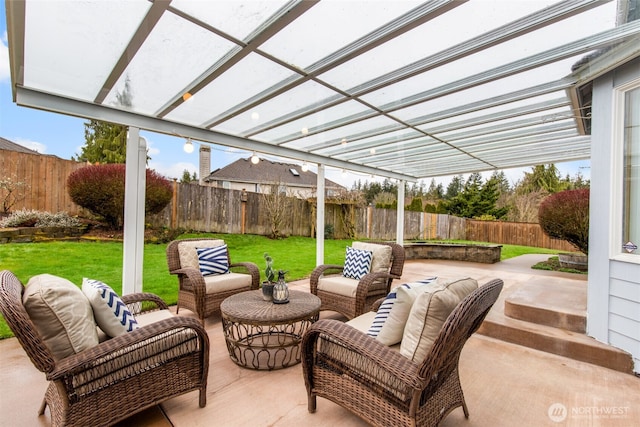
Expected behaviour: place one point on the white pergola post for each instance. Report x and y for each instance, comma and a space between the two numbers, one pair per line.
320, 217
400, 221
134, 194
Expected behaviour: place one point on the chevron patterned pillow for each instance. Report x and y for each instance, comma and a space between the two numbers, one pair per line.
111, 314
213, 260
357, 263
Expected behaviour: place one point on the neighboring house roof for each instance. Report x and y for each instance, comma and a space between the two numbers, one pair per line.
266, 171
5, 144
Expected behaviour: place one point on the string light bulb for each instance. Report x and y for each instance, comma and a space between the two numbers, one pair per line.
255, 159
305, 167
188, 146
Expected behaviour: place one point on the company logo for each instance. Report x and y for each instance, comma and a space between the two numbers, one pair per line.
557, 412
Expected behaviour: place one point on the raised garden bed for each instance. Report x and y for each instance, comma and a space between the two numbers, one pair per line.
488, 254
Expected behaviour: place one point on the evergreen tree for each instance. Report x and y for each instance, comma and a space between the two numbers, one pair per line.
544, 178
455, 186
187, 177
104, 143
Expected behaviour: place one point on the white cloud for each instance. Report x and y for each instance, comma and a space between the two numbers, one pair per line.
33, 145
151, 150
174, 170
5, 73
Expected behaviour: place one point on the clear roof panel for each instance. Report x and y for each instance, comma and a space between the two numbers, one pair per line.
177, 52
403, 89
238, 19
80, 70
226, 91
329, 26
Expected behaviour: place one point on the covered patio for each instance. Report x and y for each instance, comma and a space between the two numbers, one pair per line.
402, 90
504, 384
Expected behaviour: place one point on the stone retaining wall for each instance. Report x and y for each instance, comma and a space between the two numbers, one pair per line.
40, 234
487, 254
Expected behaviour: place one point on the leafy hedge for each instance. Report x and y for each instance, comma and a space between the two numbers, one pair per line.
565, 215
100, 189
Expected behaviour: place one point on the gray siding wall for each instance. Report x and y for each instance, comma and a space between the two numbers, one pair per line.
613, 305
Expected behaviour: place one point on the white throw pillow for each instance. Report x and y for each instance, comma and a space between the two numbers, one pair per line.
429, 312
111, 314
388, 324
381, 259
61, 314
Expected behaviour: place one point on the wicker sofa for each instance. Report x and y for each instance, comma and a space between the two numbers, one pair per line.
352, 297
164, 357
385, 386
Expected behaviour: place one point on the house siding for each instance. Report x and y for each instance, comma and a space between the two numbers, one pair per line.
613, 301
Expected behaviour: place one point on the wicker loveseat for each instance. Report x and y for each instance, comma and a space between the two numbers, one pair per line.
352, 297
201, 293
381, 384
164, 357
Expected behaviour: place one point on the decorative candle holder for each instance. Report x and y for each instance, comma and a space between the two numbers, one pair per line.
281, 290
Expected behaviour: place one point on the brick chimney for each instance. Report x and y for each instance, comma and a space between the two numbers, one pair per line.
205, 163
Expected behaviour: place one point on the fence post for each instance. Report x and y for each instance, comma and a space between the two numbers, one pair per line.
243, 200
174, 205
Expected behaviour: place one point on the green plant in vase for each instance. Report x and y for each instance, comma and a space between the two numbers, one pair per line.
269, 272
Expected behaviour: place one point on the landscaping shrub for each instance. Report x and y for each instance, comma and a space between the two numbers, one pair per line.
565, 215
100, 189
32, 218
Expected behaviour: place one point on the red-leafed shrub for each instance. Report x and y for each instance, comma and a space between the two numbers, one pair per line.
565, 215
100, 189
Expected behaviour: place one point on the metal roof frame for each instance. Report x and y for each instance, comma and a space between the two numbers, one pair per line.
383, 138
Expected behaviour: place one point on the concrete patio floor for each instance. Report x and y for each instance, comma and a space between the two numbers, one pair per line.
504, 384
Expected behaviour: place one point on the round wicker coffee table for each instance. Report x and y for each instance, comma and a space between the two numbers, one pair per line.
263, 335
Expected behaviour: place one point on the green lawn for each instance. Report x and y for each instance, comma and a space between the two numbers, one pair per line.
103, 260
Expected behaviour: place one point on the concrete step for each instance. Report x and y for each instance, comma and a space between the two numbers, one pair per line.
558, 304
535, 332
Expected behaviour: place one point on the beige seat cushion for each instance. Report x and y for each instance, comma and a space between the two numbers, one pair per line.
226, 282
140, 356
381, 261
145, 319
363, 322
338, 284
61, 314
429, 312
188, 254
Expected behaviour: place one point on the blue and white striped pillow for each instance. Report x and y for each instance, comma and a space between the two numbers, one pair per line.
385, 308
357, 263
111, 314
213, 260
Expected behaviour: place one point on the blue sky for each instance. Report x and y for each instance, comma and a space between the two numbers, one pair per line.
61, 135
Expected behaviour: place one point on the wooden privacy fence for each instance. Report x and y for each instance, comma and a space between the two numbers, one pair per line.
46, 178
514, 233
219, 210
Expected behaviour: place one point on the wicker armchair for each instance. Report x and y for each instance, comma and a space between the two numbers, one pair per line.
382, 386
367, 290
204, 294
118, 377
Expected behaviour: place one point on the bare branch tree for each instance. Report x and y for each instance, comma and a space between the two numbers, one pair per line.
277, 203
12, 190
